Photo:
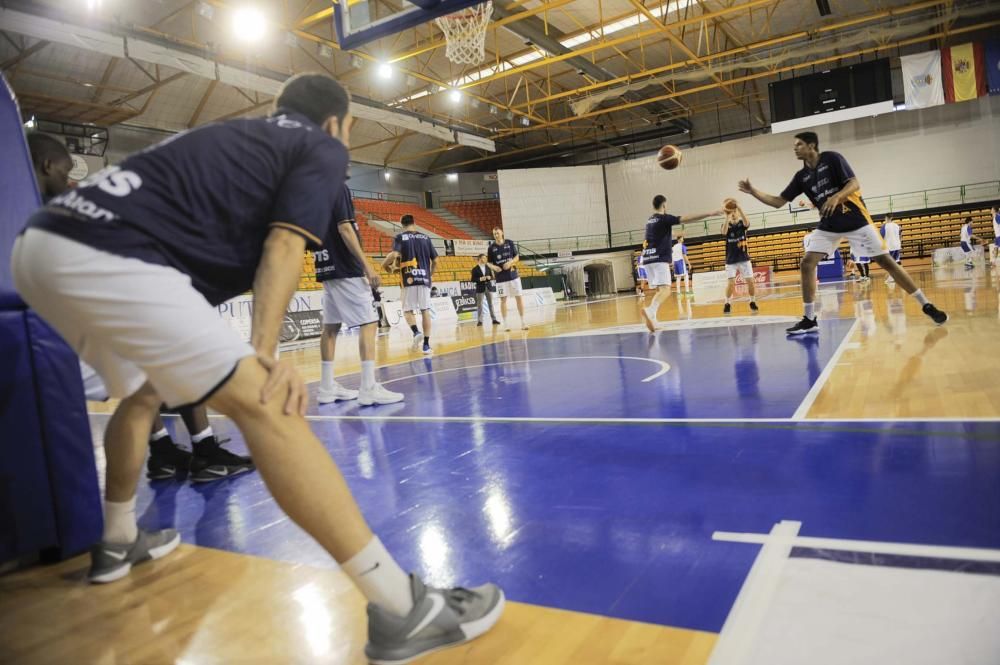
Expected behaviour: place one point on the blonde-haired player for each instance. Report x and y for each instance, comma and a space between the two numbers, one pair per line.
682, 267
735, 229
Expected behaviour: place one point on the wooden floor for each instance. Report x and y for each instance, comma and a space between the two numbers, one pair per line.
208, 606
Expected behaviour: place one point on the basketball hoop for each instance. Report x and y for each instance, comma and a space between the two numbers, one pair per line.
465, 32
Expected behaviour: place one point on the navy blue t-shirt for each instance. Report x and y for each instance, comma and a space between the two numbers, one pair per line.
658, 245
736, 243
336, 260
830, 175
204, 201
501, 254
415, 255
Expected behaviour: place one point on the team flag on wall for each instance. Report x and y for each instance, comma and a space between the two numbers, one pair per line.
922, 79
964, 71
993, 66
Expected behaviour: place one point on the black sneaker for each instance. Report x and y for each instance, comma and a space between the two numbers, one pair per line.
213, 462
937, 315
803, 327
753, 306
167, 460
727, 309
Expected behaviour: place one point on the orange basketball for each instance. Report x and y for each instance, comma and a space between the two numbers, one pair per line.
730, 204
669, 157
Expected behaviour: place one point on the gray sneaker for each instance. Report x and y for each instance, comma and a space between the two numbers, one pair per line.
440, 618
110, 562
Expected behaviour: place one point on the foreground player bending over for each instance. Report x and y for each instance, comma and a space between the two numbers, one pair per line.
208, 460
128, 269
828, 181
657, 253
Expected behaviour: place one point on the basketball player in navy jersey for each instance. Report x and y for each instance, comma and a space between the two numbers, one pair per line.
657, 253
503, 258
208, 460
417, 260
348, 279
735, 228
129, 267
829, 182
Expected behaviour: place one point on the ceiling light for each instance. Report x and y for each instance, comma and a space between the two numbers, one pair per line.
206, 11
324, 51
387, 175
455, 96
525, 122
249, 24
93, 5
452, 177
385, 71
31, 124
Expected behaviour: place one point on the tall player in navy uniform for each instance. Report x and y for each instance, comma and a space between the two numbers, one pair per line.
128, 269
503, 258
416, 258
348, 279
828, 181
657, 254
735, 228
207, 460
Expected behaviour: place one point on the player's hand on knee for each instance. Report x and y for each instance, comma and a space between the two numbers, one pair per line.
284, 380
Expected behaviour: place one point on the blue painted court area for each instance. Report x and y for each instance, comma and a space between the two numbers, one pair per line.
746, 371
483, 473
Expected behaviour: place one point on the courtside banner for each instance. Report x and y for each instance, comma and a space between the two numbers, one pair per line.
471, 247
304, 310
922, 80
761, 276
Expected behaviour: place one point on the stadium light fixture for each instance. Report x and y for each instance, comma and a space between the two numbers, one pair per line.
387, 175
249, 24
455, 95
384, 71
452, 177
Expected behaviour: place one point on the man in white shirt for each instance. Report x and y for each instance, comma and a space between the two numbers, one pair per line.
893, 241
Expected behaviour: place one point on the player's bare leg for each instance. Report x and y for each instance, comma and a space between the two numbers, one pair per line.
330, 390
520, 311
649, 313
730, 289
752, 288
126, 442
426, 316
898, 273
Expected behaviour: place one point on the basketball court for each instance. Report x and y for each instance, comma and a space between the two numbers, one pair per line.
715, 492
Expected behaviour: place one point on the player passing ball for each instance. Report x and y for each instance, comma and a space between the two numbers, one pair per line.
829, 182
735, 228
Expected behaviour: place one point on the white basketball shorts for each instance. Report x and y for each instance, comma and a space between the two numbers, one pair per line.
511, 288
657, 274
865, 241
348, 301
416, 298
744, 268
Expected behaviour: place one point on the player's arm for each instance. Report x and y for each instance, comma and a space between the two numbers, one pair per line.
763, 197
346, 230
831, 204
746, 222
434, 265
689, 219
389, 260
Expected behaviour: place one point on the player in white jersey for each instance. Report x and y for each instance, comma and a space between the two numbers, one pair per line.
995, 247
682, 267
968, 238
893, 237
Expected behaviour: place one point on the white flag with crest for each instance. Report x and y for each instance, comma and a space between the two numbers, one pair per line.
922, 79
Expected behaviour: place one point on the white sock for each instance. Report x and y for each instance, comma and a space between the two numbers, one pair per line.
810, 310
921, 298
156, 436
119, 522
367, 374
380, 579
202, 435
729, 300
326, 374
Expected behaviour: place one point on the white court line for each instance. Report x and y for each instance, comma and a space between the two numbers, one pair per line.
735, 643
621, 421
807, 401
871, 546
664, 367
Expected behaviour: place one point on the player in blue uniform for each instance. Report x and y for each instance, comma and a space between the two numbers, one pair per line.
417, 259
129, 268
829, 182
682, 267
995, 247
657, 254
502, 257
348, 299
967, 240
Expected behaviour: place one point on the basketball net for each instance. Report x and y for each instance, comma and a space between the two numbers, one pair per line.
465, 32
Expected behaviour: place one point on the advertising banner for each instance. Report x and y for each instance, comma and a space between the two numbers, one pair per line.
470, 247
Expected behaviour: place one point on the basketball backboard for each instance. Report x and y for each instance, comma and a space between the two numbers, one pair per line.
359, 22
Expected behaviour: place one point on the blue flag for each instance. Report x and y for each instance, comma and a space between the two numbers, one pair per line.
992, 49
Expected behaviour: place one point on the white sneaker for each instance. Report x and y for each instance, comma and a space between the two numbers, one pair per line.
889, 280
418, 339
336, 393
378, 394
